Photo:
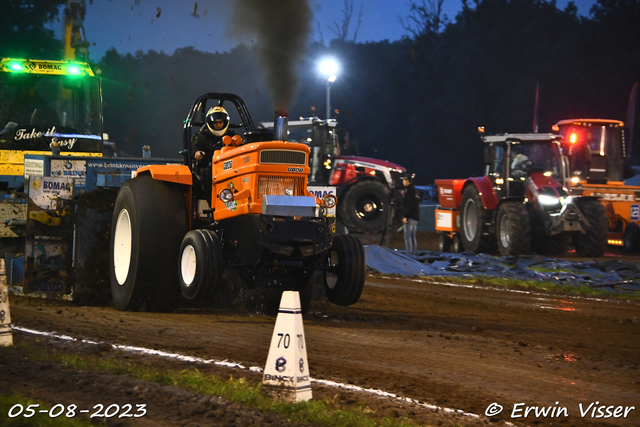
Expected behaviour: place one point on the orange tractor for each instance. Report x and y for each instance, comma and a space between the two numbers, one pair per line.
521, 204
263, 227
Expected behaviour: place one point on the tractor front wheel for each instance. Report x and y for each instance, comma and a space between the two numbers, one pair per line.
594, 242
513, 229
345, 273
149, 220
200, 264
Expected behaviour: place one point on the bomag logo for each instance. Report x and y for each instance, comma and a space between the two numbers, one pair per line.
54, 185
49, 67
295, 170
30, 65
35, 184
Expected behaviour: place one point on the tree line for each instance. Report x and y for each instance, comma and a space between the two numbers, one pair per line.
417, 101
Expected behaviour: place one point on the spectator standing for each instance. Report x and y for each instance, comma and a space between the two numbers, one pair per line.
411, 209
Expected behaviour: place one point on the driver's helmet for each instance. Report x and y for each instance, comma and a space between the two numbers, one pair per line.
217, 114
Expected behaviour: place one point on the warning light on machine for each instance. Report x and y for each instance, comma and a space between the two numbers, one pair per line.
573, 138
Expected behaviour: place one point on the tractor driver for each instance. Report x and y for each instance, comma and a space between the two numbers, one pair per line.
206, 142
520, 165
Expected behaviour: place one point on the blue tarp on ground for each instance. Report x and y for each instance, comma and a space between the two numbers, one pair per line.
609, 275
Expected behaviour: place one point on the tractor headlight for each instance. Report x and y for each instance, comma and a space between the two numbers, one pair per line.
330, 200
226, 195
547, 200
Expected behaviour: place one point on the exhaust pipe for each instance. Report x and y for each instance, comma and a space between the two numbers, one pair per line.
280, 125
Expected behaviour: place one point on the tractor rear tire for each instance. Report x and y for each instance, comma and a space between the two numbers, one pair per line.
149, 221
475, 221
345, 273
364, 207
200, 265
594, 242
631, 237
513, 229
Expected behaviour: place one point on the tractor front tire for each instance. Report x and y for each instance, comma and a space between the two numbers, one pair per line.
364, 207
631, 237
200, 265
474, 231
513, 229
594, 242
149, 221
346, 270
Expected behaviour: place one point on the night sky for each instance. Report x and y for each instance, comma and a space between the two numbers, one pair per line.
134, 25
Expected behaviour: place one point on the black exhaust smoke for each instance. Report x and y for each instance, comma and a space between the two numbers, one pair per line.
279, 29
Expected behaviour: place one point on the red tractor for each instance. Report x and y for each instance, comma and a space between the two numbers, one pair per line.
365, 186
521, 204
262, 228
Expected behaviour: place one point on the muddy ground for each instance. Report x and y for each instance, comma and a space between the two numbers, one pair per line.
461, 348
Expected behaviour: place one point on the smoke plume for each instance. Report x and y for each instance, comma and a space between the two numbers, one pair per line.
279, 29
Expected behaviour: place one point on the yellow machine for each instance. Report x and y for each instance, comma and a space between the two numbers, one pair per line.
46, 107
597, 156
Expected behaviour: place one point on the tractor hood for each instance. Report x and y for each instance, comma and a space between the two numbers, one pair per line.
546, 192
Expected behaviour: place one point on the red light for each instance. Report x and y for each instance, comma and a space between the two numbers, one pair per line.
573, 138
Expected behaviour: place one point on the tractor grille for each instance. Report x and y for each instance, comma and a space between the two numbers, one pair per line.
286, 157
276, 185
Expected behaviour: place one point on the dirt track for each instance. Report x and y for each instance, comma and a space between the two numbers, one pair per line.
454, 347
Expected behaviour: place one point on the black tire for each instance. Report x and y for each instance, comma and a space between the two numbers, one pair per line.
513, 229
474, 223
456, 244
345, 274
631, 237
594, 242
444, 242
149, 221
200, 265
364, 207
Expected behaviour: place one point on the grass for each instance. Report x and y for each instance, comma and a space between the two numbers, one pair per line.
240, 390
544, 286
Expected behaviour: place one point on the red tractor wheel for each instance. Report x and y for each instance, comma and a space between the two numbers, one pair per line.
513, 229
594, 242
475, 221
364, 207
